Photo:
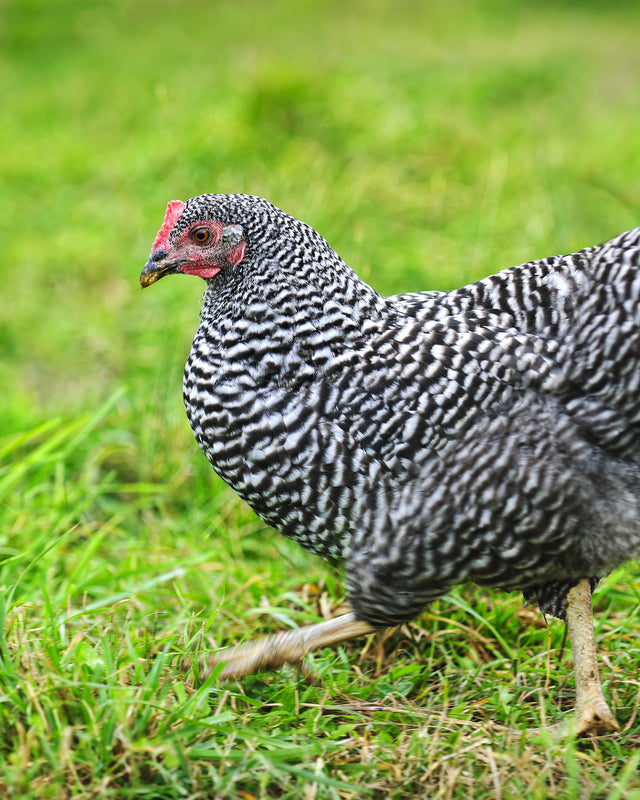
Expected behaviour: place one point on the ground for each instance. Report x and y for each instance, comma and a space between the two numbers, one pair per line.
431, 143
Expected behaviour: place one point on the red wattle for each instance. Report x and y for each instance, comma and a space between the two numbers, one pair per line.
201, 272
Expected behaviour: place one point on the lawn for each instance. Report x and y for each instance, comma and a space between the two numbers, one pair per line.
432, 144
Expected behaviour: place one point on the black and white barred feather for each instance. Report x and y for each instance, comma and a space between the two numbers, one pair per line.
489, 434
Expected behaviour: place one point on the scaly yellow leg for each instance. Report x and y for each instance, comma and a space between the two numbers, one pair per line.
593, 715
287, 647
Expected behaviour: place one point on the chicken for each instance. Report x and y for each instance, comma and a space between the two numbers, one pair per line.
488, 434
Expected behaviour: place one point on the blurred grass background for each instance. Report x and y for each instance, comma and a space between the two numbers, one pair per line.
431, 144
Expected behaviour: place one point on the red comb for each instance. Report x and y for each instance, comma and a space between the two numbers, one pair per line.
172, 215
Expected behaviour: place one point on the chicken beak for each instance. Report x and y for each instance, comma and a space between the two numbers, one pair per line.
157, 267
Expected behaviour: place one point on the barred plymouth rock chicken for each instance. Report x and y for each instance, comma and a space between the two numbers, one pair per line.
488, 434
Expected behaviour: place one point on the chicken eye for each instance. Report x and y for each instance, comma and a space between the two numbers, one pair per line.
201, 235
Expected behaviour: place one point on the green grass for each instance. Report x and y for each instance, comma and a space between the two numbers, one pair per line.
431, 143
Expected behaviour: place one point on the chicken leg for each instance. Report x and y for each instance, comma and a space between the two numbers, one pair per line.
593, 715
288, 647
